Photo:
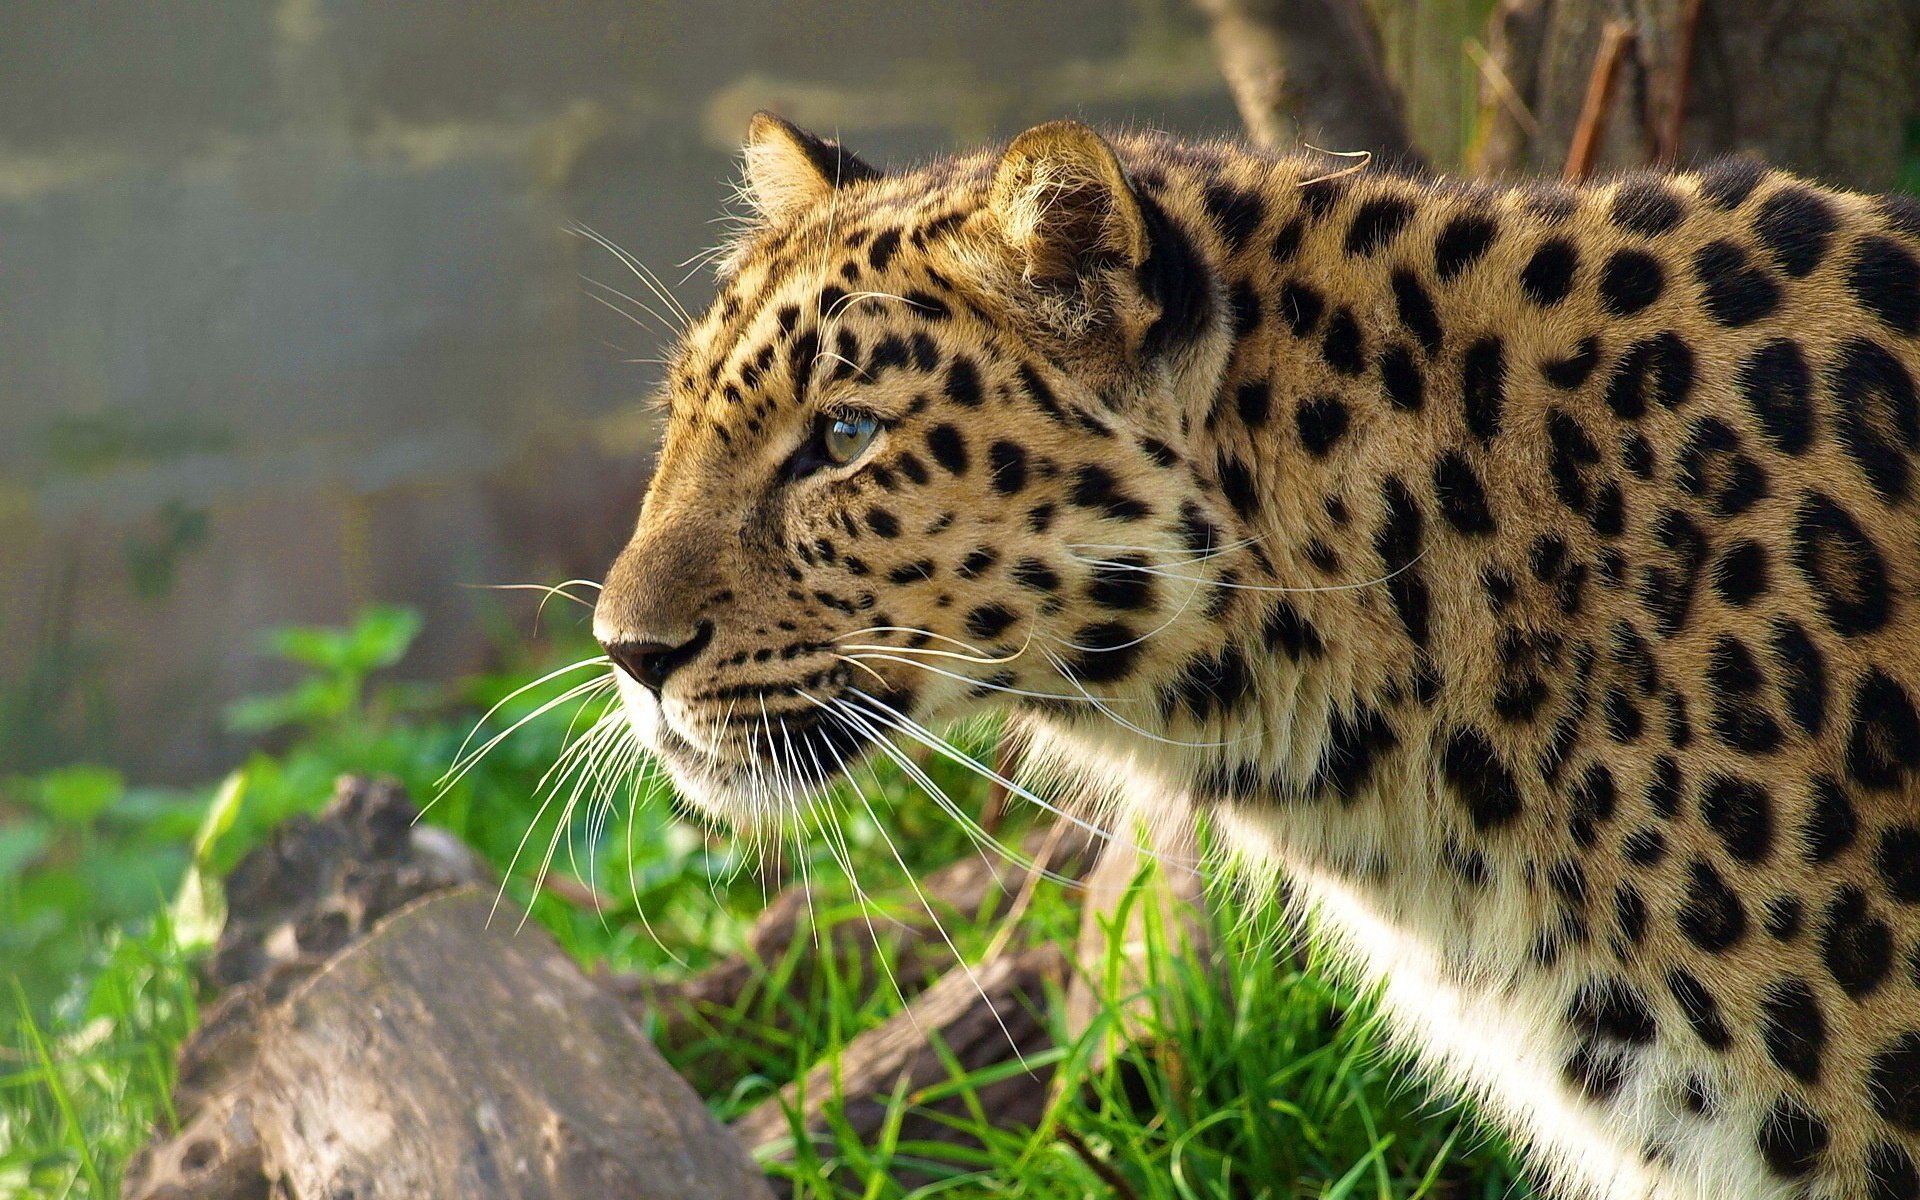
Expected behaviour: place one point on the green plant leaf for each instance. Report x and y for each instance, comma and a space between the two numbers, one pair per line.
76, 795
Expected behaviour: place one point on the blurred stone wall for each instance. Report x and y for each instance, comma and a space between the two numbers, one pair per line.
291, 319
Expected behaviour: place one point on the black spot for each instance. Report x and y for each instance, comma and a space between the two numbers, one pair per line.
1035, 575
1646, 206
1483, 387
990, 620
1736, 293
1095, 487
978, 561
1856, 945
1398, 543
1212, 682
1251, 400
1794, 1029
1637, 454
1286, 629
1484, 783
948, 448
1321, 556
963, 382
1236, 214
1463, 500
1791, 1138
1594, 800
1040, 518
1890, 1173
1041, 395
1879, 414
1614, 1009
1894, 1082
1663, 790
1740, 812
1244, 305
1175, 278
1341, 345
1007, 467
1779, 388
1884, 277
1698, 1098
1802, 676
1667, 592
1571, 451
881, 251
1842, 566
1122, 583
1355, 744
1711, 915
1199, 534
1630, 914
1713, 465
1898, 862
1570, 372
1883, 744
1300, 307
1322, 421
912, 468
1727, 182
1740, 575
1377, 222
1236, 480
1105, 652
1659, 368
1699, 1007
1631, 280
1400, 378
1286, 243
1461, 244
1795, 224
1548, 276
883, 523
1782, 918
1596, 1072
913, 572
1739, 718
1831, 824
1416, 310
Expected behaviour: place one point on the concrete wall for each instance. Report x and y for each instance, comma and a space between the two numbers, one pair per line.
290, 319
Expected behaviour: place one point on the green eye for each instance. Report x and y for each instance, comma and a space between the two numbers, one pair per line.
846, 438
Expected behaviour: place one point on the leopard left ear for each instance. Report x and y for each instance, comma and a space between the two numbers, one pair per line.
789, 169
1064, 204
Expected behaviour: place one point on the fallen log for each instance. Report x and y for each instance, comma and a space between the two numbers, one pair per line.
447, 1052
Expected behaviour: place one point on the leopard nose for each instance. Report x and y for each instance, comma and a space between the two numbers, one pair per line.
649, 663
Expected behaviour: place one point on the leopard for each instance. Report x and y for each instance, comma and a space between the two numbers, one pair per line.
1527, 573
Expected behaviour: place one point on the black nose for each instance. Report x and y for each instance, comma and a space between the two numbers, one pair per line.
649, 663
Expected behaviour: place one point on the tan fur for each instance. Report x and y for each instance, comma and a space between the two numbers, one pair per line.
1184, 518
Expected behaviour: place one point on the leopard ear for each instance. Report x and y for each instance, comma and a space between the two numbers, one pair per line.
789, 169
1064, 205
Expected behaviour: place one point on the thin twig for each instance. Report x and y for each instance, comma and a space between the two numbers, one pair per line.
1097, 1165
1615, 39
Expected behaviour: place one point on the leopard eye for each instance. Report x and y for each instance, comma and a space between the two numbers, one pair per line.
846, 438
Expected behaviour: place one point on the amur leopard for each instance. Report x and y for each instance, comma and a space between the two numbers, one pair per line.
1531, 574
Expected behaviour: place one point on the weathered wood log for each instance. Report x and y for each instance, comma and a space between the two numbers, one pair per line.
981, 1015
440, 1054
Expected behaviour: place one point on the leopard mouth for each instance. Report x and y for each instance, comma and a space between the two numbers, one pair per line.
764, 766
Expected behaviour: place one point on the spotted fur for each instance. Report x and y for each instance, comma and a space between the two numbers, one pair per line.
1532, 574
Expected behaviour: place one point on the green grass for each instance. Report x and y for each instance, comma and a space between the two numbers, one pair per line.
1273, 1085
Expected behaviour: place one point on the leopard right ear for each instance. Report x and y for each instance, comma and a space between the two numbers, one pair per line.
789, 169
1064, 204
